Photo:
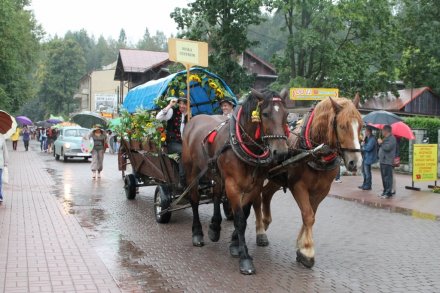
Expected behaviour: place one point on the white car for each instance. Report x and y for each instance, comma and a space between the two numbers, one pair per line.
68, 143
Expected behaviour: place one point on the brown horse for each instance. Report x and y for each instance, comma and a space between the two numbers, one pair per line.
236, 154
336, 123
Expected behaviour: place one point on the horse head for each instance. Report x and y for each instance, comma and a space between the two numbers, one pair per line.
347, 124
264, 117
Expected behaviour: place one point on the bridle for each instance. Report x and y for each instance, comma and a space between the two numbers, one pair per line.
339, 149
241, 148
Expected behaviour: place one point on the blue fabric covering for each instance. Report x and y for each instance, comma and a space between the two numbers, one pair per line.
144, 95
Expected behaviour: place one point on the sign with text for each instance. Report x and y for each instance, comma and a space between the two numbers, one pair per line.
312, 94
188, 52
425, 162
105, 102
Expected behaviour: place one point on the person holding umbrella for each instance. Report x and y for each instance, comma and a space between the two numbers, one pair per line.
26, 137
3, 162
387, 153
99, 139
369, 151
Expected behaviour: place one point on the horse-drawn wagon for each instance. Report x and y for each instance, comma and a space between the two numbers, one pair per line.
145, 150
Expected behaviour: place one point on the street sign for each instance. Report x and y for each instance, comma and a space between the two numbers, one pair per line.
188, 52
312, 94
425, 162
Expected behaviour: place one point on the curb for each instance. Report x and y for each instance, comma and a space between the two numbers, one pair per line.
395, 209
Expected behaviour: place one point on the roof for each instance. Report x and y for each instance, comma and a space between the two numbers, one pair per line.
262, 61
138, 61
388, 101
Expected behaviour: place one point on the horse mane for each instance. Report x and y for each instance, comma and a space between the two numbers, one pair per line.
323, 131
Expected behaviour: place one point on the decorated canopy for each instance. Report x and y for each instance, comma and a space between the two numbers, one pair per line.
206, 90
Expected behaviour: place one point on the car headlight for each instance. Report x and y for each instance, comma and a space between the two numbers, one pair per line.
67, 145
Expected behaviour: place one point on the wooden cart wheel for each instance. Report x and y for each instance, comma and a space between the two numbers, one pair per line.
130, 186
162, 200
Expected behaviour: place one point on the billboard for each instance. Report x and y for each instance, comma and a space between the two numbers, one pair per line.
425, 162
312, 94
106, 103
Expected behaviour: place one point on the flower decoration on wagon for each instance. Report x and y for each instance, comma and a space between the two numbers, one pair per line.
177, 87
142, 126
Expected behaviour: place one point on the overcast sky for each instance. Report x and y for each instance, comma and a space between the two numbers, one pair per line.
107, 17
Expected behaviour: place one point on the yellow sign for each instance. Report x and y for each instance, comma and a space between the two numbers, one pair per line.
311, 94
188, 52
425, 162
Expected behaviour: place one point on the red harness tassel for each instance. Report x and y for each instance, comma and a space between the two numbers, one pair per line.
258, 132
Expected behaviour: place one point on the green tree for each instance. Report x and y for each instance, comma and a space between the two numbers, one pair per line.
344, 44
157, 42
93, 61
224, 25
419, 27
64, 66
19, 46
122, 40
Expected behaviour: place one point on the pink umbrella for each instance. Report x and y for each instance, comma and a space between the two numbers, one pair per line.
399, 129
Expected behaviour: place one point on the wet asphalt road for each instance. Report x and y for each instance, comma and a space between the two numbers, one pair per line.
358, 248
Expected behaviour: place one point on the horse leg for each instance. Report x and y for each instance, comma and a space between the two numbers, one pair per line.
197, 231
259, 226
305, 253
215, 226
246, 263
267, 194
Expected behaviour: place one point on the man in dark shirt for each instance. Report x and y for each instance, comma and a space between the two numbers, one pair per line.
387, 152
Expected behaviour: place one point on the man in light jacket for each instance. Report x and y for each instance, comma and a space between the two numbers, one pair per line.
387, 153
369, 150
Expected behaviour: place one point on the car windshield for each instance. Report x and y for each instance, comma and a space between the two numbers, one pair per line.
75, 132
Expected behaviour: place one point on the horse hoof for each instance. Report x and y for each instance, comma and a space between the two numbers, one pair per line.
198, 240
308, 262
214, 235
233, 250
262, 240
247, 266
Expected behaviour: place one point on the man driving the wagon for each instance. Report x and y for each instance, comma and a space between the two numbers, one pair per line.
176, 119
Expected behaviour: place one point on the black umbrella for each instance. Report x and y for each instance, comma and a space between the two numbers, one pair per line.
381, 117
89, 120
43, 124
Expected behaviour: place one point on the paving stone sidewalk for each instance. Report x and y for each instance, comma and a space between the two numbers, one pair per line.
420, 204
43, 248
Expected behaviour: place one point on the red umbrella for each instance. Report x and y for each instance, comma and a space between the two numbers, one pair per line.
399, 129
7, 124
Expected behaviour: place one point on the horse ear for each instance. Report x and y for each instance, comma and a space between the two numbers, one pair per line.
335, 105
284, 94
357, 100
257, 94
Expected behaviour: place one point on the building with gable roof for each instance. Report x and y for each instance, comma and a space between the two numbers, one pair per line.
418, 101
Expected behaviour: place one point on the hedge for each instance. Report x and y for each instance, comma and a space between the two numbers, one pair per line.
430, 124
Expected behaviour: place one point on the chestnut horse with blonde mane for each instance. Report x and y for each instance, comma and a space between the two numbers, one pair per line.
336, 123
236, 154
